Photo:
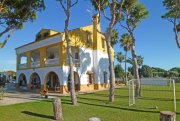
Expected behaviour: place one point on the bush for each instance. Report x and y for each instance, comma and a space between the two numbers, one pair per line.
177, 80
2, 82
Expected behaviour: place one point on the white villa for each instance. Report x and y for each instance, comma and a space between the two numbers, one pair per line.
43, 63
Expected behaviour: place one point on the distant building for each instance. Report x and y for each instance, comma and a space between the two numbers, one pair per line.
7, 76
44, 63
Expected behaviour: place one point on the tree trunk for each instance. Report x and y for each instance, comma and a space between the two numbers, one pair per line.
111, 69
126, 67
72, 85
94, 119
135, 66
167, 116
57, 108
7, 37
176, 34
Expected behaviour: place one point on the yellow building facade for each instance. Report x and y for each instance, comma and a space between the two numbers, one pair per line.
43, 64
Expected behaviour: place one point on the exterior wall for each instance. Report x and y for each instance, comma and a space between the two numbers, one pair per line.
87, 63
39, 44
101, 64
90, 60
42, 72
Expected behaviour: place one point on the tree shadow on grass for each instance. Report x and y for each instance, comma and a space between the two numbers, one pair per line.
37, 115
100, 100
155, 99
147, 110
121, 108
107, 95
110, 106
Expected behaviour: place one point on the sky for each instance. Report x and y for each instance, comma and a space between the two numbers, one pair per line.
154, 36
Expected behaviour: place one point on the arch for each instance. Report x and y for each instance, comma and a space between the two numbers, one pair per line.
22, 81
35, 81
76, 82
52, 82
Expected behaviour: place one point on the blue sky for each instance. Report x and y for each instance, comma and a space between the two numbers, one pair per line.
154, 36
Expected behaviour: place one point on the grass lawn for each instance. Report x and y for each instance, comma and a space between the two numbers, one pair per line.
96, 104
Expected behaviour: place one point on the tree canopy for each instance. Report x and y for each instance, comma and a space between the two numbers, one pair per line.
14, 13
120, 57
134, 13
146, 71
175, 69
119, 72
114, 37
126, 41
173, 16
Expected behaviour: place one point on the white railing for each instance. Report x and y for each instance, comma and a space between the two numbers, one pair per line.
35, 64
52, 61
22, 66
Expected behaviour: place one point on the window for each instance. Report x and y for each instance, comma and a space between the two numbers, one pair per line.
90, 77
46, 34
23, 60
102, 41
105, 76
51, 56
76, 55
89, 41
76, 58
38, 37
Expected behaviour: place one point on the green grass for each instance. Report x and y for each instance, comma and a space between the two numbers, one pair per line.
96, 104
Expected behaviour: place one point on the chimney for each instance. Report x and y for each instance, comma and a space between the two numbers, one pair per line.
96, 28
96, 22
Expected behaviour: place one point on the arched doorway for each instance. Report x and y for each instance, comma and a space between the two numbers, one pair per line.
35, 82
22, 82
52, 82
76, 82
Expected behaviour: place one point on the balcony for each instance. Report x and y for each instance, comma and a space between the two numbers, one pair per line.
35, 64
22, 66
54, 61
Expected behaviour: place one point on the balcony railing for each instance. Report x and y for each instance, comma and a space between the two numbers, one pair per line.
22, 66
52, 61
35, 64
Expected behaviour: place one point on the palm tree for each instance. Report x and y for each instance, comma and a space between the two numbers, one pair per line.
114, 37
134, 12
139, 62
120, 57
126, 43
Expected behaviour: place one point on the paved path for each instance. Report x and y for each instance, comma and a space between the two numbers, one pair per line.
12, 96
19, 97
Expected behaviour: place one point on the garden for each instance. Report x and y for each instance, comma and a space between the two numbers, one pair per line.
94, 105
